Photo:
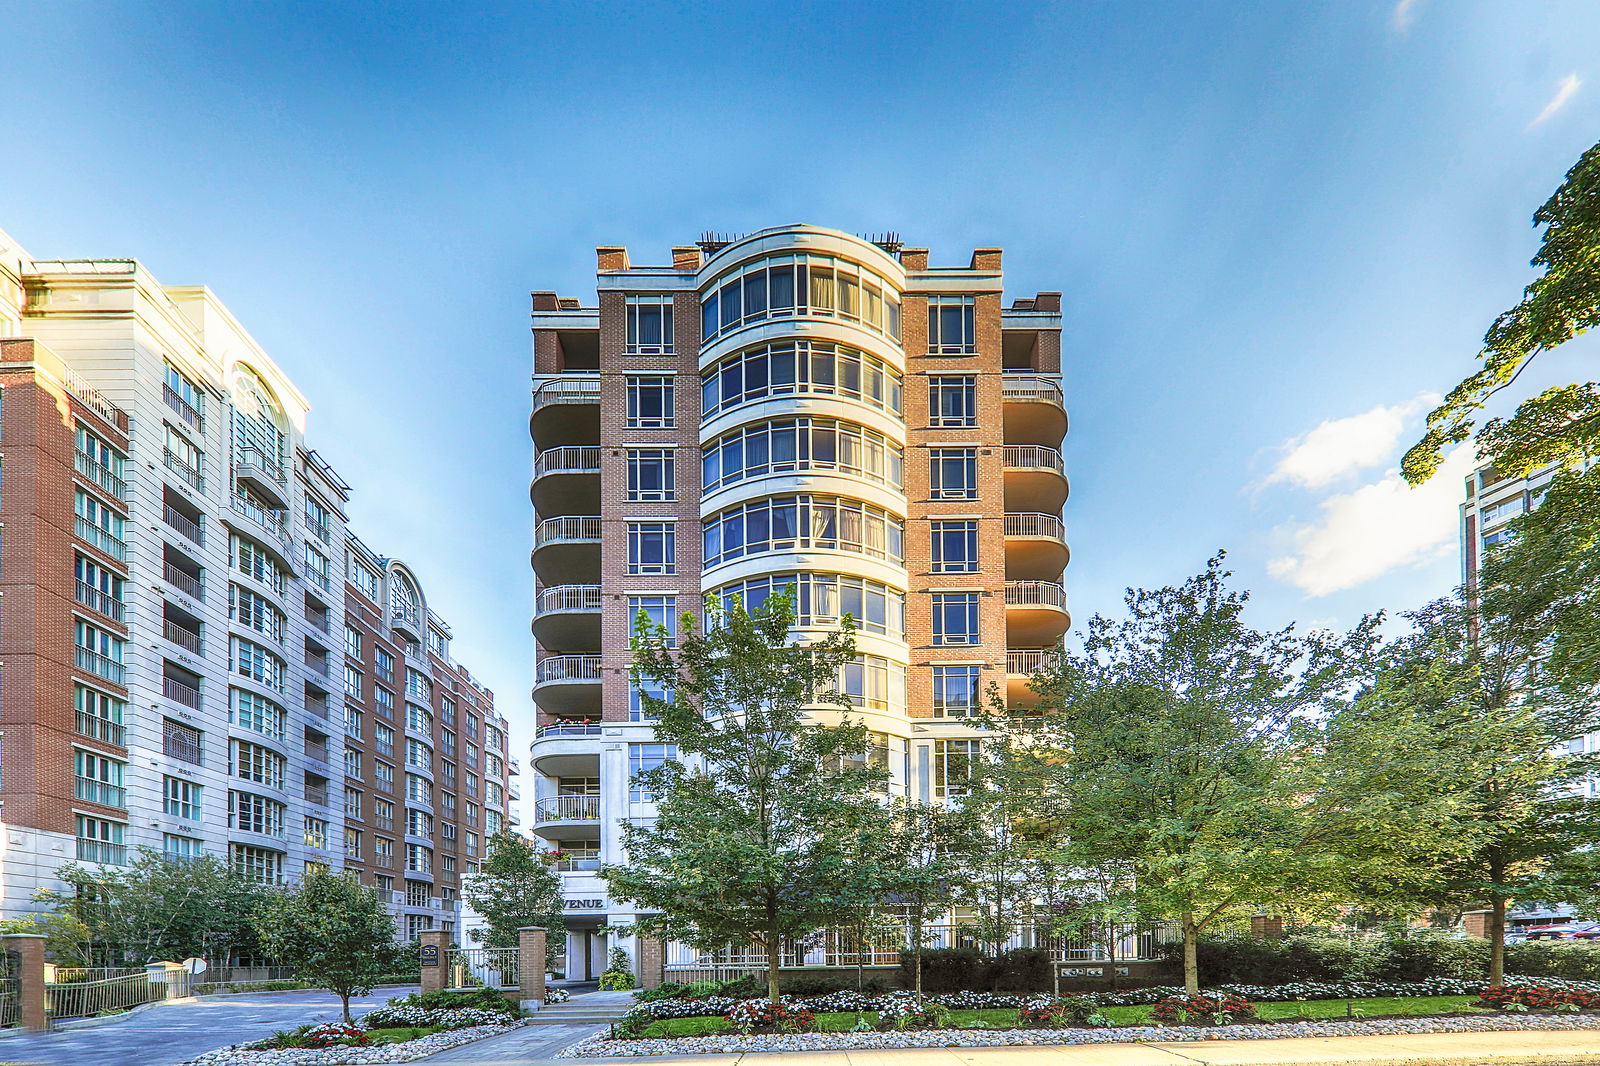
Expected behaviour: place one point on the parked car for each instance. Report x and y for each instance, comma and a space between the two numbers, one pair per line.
1516, 937
1565, 931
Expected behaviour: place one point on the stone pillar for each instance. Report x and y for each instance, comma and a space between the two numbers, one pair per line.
652, 961
530, 965
435, 958
1265, 927
1476, 923
30, 979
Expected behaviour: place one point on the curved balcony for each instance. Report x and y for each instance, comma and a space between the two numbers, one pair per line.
568, 685
565, 810
565, 749
1036, 613
567, 547
1036, 545
566, 410
1036, 478
1035, 412
568, 618
1021, 665
566, 480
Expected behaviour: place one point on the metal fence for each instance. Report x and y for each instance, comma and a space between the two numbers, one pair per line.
85, 999
483, 968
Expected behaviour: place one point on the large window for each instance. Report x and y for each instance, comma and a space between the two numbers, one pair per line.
99, 715
873, 681
788, 523
789, 368
784, 285
99, 651
185, 397
419, 755
98, 779
253, 762
955, 618
955, 547
261, 865
954, 767
100, 840
950, 325
100, 525
953, 473
650, 402
822, 599
250, 558
255, 612
181, 799
649, 325
652, 548
257, 663
953, 401
637, 711
955, 691
650, 475
258, 423
787, 445
642, 757
660, 610
252, 711
98, 588
182, 742
250, 813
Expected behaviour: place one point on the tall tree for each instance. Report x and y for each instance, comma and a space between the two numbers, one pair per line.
1169, 744
516, 886
333, 931
1562, 424
756, 818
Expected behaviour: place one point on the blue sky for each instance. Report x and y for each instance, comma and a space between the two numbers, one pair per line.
1275, 225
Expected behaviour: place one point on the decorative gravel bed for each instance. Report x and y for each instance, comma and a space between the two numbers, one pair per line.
410, 1051
600, 1047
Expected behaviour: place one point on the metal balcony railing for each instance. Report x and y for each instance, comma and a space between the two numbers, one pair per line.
567, 809
566, 729
569, 598
575, 459
99, 665
567, 668
1035, 594
96, 471
183, 524
1032, 524
578, 862
102, 851
178, 465
97, 728
183, 638
272, 520
184, 582
103, 602
1025, 661
184, 408
571, 390
567, 529
258, 458
179, 692
90, 533
91, 790
1034, 457
1030, 388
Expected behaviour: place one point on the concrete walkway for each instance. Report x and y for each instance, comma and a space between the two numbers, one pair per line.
171, 1033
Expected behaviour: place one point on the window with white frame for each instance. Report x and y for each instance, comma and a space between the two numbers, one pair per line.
352, 803
649, 325
257, 663
953, 473
255, 612
651, 477
951, 325
955, 546
955, 691
316, 566
260, 865
364, 578
181, 848
659, 611
253, 560
419, 859
383, 775
352, 641
317, 517
250, 813
651, 404
352, 682
955, 618
954, 767
254, 762
256, 712
953, 401
181, 798
652, 548
383, 664
642, 758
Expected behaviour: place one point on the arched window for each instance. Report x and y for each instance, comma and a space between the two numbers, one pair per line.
258, 422
404, 603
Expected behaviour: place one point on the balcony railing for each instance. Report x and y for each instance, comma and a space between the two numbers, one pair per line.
567, 668
258, 458
178, 465
578, 862
1031, 524
581, 459
184, 581
92, 791
272, 520
183, 638
1034, 457
179, 692
102, 851
99, 665
103, 602
566, 529
1030, 388
567, 809
96, 728
571, 390
96, 471
566, 729
317, 795
183, 524
569, 598
1026, 661
184, 408
90, 533
1035, 594
317, 664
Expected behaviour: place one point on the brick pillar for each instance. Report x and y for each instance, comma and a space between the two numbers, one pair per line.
530, 965
435, 957
1476, 923
30, 984
1263, 927
652, 961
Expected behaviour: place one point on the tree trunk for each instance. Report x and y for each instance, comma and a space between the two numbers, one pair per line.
344, 1004
916, 959
773, 954
1191, 953
1497, 940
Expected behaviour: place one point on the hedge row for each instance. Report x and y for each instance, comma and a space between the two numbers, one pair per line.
1235, 960
969, 970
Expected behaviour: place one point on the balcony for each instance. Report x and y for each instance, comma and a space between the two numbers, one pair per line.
578, 862
566, 809
1035, 412
271, 520
97, 473
103, 729
99, 665
184, 582
262, 475
567, 547
91, 790
101, 602
189, 474
180, 692
181, 522
186, 411
566, 480
93, 535
1036, 545
1036, 613
568, 685
186, 639
566, 411
1036, 479
102, 851
568, 618
1021, 665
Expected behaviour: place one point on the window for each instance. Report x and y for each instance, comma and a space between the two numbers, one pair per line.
317, 566
419, 824
100, 840
317, 518
651, 403
352, 641
99, 525
953, 401
383, 813
383, 663
417, 924
954, 767
251, 559
352, 843
447, 709
955, 691
257, 713
953, 473
98, 779
649, 325
805, 368
659, 610
365, 579
383, 851
950, 325
352, 721
383, 700
438, 643
418, 687
184, 396
784, 285
182, 798
99, 652
1503, 511
182, 742
184, 459
260, 865
419, 755
492, 821
643, 757
419, 859
383, 774
650, 474
955, 618
253, 762
873, 681
100, 716
257, 663
472, 843
955, 547
789, 445
352, 763
652, 548
787, 523
383, 739
316, 834
405, 603
182, 849
99, 589
250, 813
447, 804
418, 720
417, 893
101, 463
637, 711
255, 612
418, 790
823, 599
352, 803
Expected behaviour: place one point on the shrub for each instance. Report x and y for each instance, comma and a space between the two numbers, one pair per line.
331, 1033
1055, 1014
1538, 997
394, 1017
1576, 961
618, 974
945, 970
1202, 1009
482, 999
817, 984
1423, 955
556, 995
748, 986
755, 1017
1021, 970
665, 990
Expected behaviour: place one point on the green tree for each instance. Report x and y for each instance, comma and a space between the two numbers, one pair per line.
1169, 745
66, 938
515, 887
754, 839
1562, 424
333, 931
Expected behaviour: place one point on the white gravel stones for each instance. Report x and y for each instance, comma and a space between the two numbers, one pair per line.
410, 1051
733, 1043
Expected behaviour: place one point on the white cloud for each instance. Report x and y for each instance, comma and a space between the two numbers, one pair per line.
1564, 92
1342, 446
1405, 13
1364, 534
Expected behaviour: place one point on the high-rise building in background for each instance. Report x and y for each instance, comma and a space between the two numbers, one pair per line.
198, 656
801, 407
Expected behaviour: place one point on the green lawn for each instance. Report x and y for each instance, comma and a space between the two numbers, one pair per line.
401, 1034
1007, 1019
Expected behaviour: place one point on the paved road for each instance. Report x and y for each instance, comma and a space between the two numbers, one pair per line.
164, 1035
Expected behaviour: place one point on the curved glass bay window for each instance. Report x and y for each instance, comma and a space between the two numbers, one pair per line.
873, 682
786, 285
800, 369
823, 599
791, 445
788, 523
